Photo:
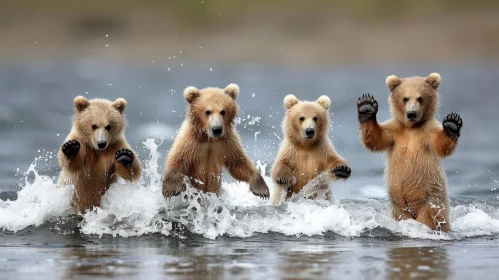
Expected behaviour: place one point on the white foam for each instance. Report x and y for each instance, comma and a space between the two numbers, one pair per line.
36, 202
134, 209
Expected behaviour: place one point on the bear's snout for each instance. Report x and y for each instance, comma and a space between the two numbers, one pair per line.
310, 132
412, 116
217, 131
101, 144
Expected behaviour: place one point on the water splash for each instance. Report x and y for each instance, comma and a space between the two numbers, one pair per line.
134, 209
36, 202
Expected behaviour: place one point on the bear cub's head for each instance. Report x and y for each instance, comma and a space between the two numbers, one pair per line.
413, 100
99, 122
306, 122
212, 110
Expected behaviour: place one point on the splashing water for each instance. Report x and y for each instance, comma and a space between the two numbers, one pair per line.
138, 208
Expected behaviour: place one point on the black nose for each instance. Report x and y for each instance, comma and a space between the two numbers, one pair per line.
310, 132
217, 130
412, 115
101, 144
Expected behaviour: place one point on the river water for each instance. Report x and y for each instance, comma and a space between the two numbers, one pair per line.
137, 234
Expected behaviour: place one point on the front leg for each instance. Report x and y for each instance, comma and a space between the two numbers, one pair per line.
173, 183
339, 169
128, 166
70, 156
445, 140
242, 169
374, 136
283, 175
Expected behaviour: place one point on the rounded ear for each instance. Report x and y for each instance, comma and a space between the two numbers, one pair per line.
81, 103
290, 101
392, 82
120, 104
324, 101
191, 93
232, 90
433, 80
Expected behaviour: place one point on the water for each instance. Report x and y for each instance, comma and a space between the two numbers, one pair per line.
136, 233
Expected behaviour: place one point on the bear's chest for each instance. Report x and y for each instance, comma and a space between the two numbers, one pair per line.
409, 143
209, 156
101, 166
309, 163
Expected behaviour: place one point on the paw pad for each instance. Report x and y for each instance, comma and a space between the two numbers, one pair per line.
452, 124
342, 171
124, 156
367, 107
70, 148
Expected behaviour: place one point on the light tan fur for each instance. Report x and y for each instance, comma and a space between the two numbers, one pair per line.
414, 172
91, 170
300, 160
199, 157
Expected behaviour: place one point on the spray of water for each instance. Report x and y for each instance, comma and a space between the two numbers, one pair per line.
134, 209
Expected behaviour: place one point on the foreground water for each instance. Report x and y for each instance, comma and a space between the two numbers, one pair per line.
136, 233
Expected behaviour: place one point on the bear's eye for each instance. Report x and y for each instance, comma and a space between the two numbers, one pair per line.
302, 118
222, 113
406, 99
94, 126
108, 127
315, 119
420, 99
208, 112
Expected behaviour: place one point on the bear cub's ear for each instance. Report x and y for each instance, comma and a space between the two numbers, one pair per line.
232, 90
433, 80
120, 104
81, 103
191, 93
290, 101
324, 101
392, 82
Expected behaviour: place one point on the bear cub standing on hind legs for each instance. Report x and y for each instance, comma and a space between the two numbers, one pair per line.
96, 151
416, 144
306, 152
207, 142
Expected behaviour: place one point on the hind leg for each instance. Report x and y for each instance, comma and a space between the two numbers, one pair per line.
399, 213
435, 214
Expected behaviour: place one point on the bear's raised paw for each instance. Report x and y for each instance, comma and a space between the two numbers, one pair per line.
70, 148
342, 171
125, 157
452, 124
367, 107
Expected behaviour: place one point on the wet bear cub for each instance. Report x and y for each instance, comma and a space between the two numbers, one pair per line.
306, 151
416, 144
96, 152
206, 143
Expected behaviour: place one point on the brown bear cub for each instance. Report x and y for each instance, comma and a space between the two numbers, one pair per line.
206, 143
416, 144
306, 151
96, 152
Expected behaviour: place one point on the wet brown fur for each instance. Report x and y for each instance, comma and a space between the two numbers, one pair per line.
300, 160
200, 158
415, 176
92, 171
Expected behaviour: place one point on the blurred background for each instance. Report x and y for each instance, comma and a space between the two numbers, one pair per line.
149, 51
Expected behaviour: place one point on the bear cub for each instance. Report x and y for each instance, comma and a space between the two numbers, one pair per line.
206, 143
416, 144
306, 151
96, 152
